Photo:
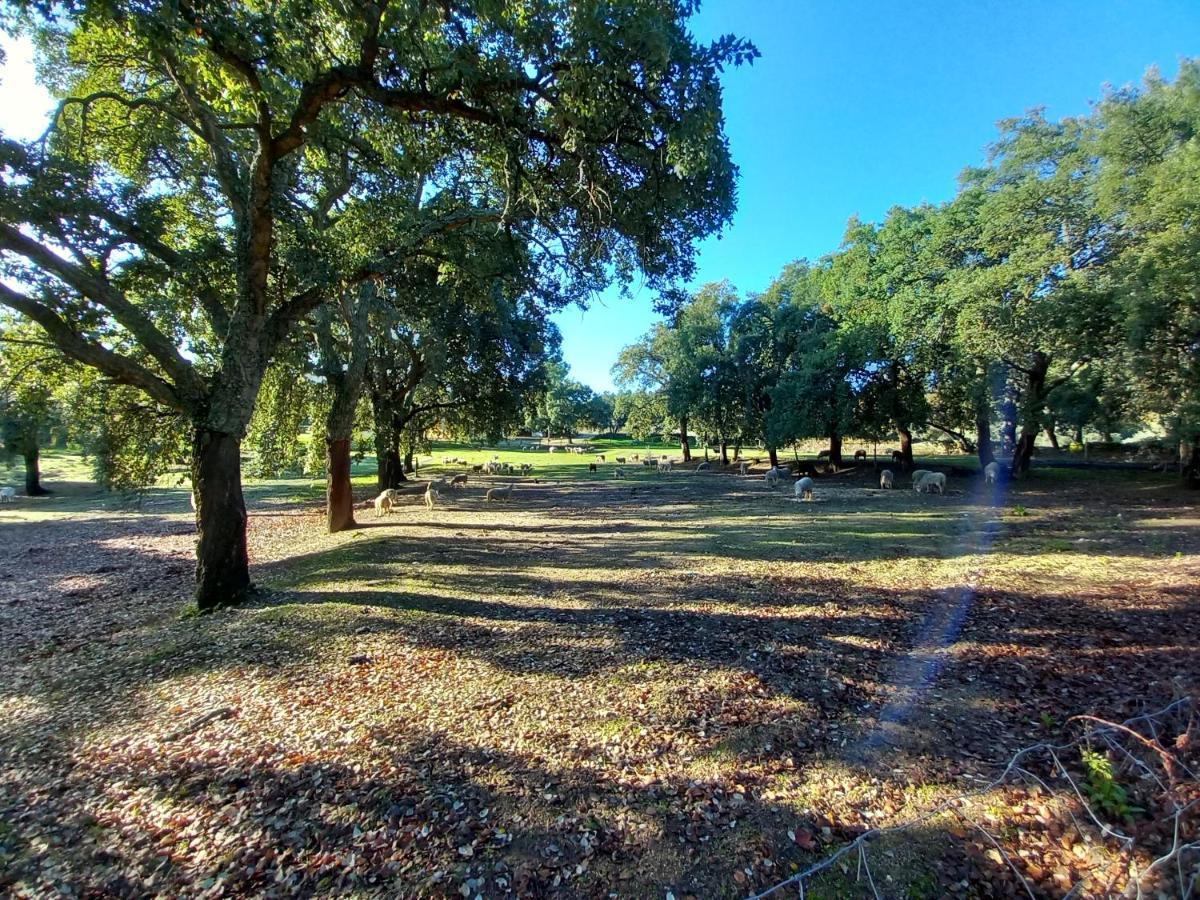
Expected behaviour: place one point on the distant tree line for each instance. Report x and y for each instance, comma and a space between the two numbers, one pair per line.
1059, 291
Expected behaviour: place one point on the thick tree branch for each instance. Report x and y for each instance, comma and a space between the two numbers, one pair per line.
101, 292
120, 368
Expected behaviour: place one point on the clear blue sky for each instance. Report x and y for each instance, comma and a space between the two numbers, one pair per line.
857, 107
853, 108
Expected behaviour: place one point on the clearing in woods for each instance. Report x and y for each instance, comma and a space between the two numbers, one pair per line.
657, 685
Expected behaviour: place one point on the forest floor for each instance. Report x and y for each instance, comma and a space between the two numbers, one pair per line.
654, 686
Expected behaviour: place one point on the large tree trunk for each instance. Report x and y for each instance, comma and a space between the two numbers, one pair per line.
684, 444
983, 438
835, 449
1052, 436
1031, 413
33, 474
1078, 439
1191, 471
773, 453
906, 463
391, 468
339, 429
724, 453
222, 561
339, 504
408, 462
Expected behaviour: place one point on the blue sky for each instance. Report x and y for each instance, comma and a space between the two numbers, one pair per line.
857, 107
853, 108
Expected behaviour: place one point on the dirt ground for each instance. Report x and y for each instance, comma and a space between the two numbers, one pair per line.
657, 686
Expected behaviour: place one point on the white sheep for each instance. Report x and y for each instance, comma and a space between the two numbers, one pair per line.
430, 495
634, 457
916, 478
553, 449
600, 457
771, 478
991, 472
385, 501
887, 479
804, 488
439, 485
618, 472
504, 493
665, 465
703, 467
743, 468
8, 494
931, 480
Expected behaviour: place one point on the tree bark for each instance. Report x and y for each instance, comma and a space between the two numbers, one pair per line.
1031, 413
724, 453
33, 474
773, 453
408, 462
684, 444
222, 560
835, 449
1053, 438
983, 438
1191, 472
391, 468
340, 491
906, 463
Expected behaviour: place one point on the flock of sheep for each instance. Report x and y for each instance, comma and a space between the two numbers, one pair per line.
922, 480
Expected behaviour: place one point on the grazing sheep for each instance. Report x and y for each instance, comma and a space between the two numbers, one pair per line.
618, 472
665, 465
439, 484
634, 457
526, 468
600, 457
647, 462
504, 493
991, 472
897, 457
7, 494
553, 449
824, 454
887, 479
931, 480
478, 468
743, 468
917, 476
430, 496
703, 467
771, 478
459, 479
591, 467
621, 460
804, 488
383, 503
860, 454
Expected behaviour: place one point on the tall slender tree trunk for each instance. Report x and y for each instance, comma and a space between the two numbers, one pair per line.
408, 462
684, 444
724, 452
1031, 413
33, 474
1052, 436
222, 560
773, 453
906, 463
1008, 420
1078, 437
983, 438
